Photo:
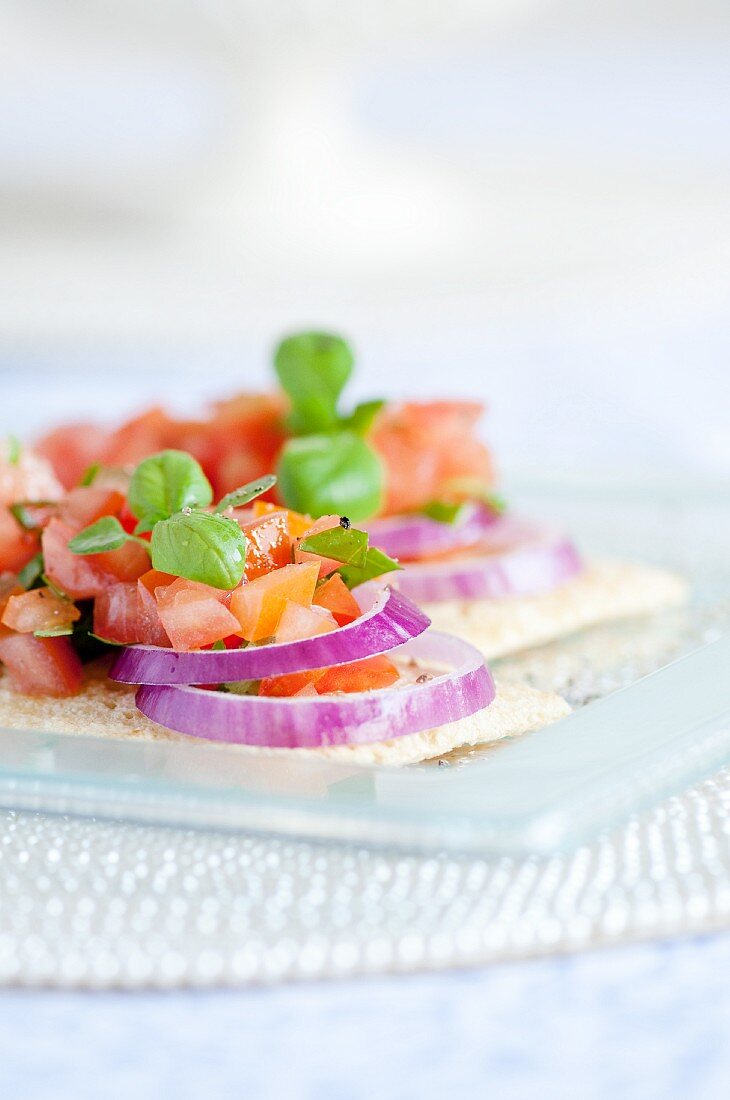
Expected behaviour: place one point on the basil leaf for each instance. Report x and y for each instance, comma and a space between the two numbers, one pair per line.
14, 450
362, 416
469, 488
341, 544
445, 511
23, 515
246, 493
376, 564
90, 474
30, 573
200, 546
106, 534
242, 687
313, 368
54, 632
322, 474
164, 484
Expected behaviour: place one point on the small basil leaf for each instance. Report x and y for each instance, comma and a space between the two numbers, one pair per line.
246, 493
54, 632
31, 572
322, 474
22, 511
313, 368
106, 534
340, 544
362, 416
445, 511
14, 450
469, 488
90, 474
376, 564
164, 484
242, 687
200, 546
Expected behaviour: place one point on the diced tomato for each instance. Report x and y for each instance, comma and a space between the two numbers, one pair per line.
194, 615
41, 666
86, 504
294, 683
155, 578
150, 628
78, 575
138, 438
71, 449
8, 587
297, 523
367, 675
39, 609
337, 598
258, 605
127, 563
117, 614
426, 445
28, 476
17, 546
268, 545
303, 622
326, 565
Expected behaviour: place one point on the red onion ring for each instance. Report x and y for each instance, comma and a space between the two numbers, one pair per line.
409, 537
314, 722
528, 569
391, 620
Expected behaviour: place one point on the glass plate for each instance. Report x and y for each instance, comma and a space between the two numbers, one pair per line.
622, 750
549, 790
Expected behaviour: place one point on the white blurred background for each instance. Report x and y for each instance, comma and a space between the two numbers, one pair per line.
524, 200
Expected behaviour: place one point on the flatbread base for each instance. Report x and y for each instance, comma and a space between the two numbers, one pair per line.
106, 709
603, 592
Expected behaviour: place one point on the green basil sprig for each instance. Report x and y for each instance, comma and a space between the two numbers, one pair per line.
360, 562
330, 467
101, 537
200, 546
239, 497
166, 483
337, 473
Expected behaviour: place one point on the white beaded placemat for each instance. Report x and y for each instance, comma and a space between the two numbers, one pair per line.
102, 905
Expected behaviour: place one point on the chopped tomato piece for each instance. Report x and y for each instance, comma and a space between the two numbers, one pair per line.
155, 578
326, 565
303, 622
71, 449
125, 564
17, 546
294, 683
87, 504
40, 609
368, 675
79, 576
194, 615
268, 545
298, 524
41, 666
138, 438
259, 604
28, 476
337, 598
426, 445
150, 629
117, 614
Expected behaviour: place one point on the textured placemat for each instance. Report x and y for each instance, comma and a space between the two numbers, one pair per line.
100, 905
